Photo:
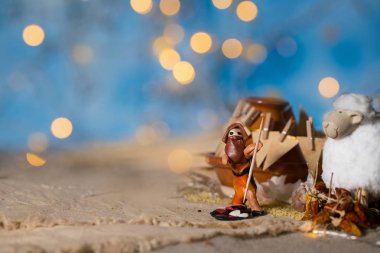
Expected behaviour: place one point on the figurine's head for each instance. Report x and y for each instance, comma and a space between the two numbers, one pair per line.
235, 131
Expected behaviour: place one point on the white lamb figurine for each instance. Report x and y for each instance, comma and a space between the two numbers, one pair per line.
352, 149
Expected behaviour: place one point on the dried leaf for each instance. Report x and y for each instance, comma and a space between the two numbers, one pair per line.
352, 217
314, 206
350, 228
341, 192
359, 210
321, 187
336, 221
335, 213
311, 207
345, 203
321, 218
330, 206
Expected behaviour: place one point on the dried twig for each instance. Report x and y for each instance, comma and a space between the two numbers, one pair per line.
331, 178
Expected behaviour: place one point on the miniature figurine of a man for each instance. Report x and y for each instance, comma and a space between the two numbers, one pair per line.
238, 151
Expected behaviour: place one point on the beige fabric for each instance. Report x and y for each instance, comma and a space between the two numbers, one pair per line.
112, 198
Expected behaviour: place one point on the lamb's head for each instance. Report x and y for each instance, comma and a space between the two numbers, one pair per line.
340, 123
350, 111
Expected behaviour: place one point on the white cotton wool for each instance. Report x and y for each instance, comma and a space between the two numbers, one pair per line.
355, 159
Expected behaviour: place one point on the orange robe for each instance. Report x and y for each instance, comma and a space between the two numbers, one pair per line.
240, 181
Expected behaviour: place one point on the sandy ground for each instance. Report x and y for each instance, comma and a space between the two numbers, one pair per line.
122, 198
284, 243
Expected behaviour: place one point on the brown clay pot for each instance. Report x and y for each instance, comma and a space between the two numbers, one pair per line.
280, 110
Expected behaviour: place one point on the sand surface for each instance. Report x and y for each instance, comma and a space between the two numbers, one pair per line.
123, 198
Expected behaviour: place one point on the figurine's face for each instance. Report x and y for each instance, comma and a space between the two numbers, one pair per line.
235, 133
340, 123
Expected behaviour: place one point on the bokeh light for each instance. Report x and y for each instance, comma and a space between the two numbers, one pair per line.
328, 87
142, 6
180, 160
162, 128
61, 128
170, 7
146, 135
246, 11
232, 48
208, 119
168, 58
286, 47
38, 142
106, 60
184, 72
152, 133
330, 33
174, 33
255, 53
201, 42
35, 160
160, 44
82, 54
33, 35
222, 4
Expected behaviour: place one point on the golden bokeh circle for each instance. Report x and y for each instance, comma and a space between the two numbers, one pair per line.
184, 72
174, 33
142, 6
33, 35
201, 42
35, 160
160, 44
222, 4
180, 160
61, 128
255, 53
232, 48
170, 7
328, 87
246, 11
168, 58
38, 142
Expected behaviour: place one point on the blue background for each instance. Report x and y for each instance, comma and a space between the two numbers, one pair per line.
124, 87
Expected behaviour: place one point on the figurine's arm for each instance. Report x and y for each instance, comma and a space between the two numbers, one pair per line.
224, 159
248, 151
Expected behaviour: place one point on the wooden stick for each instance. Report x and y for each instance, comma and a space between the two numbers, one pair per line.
360, 194
331, 178
250, 117
245, 108
253, 159
268, 118
286, 129
316, 175
310, 133
238, 109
